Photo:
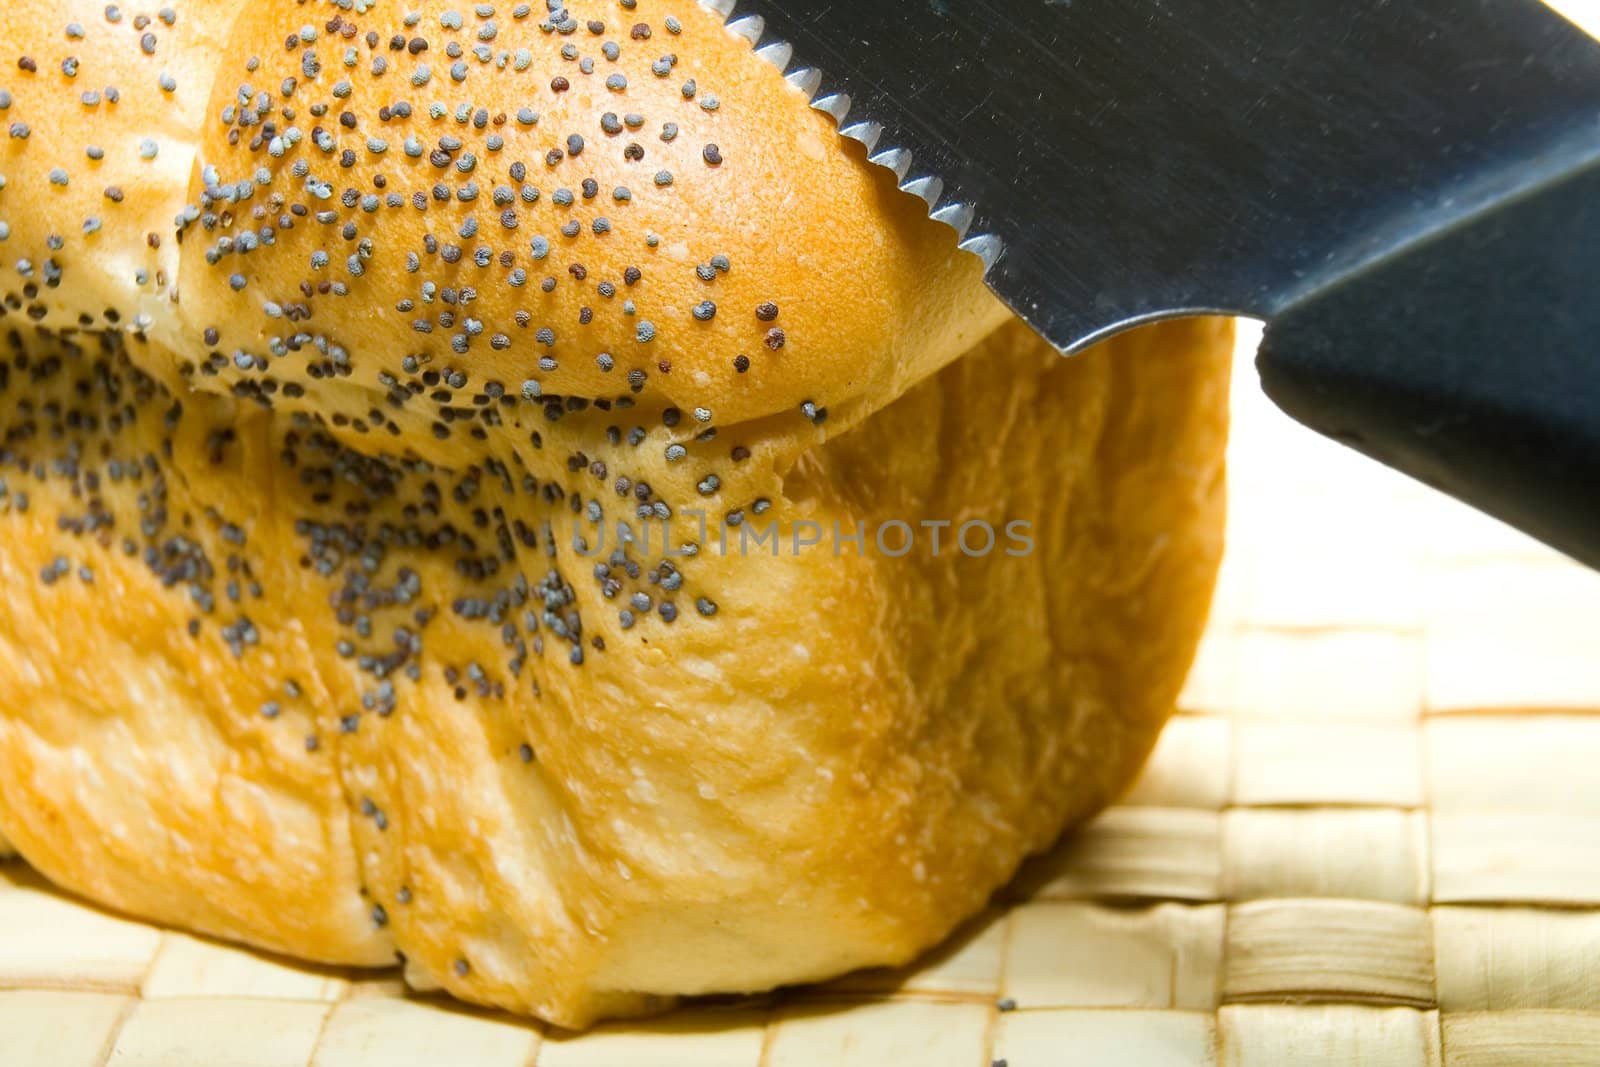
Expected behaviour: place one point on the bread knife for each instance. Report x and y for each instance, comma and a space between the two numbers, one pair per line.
1407, 192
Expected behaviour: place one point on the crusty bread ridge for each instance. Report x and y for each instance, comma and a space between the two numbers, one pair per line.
311, 643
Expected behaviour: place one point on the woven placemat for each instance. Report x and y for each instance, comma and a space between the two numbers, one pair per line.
1371, 836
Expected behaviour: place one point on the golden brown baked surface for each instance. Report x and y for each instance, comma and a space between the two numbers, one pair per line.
103, 106
829, 772
511, 201
141, 766
315, 644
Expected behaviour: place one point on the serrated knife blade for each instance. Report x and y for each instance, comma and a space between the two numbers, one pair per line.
1115, 161
1366, 175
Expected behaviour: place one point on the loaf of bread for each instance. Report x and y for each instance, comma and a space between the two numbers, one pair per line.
510, 490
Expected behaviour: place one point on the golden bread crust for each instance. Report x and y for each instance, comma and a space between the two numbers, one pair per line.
829, 772
504, 183
140, 768
97, 142
335, 661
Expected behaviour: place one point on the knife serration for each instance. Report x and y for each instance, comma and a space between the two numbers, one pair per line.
898, 160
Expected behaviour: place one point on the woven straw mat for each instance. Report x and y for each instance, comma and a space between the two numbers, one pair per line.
1372, 835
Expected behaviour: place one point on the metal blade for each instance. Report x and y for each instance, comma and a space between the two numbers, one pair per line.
1114, 161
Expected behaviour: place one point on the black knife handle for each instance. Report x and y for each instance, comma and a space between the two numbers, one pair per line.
1469, 360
